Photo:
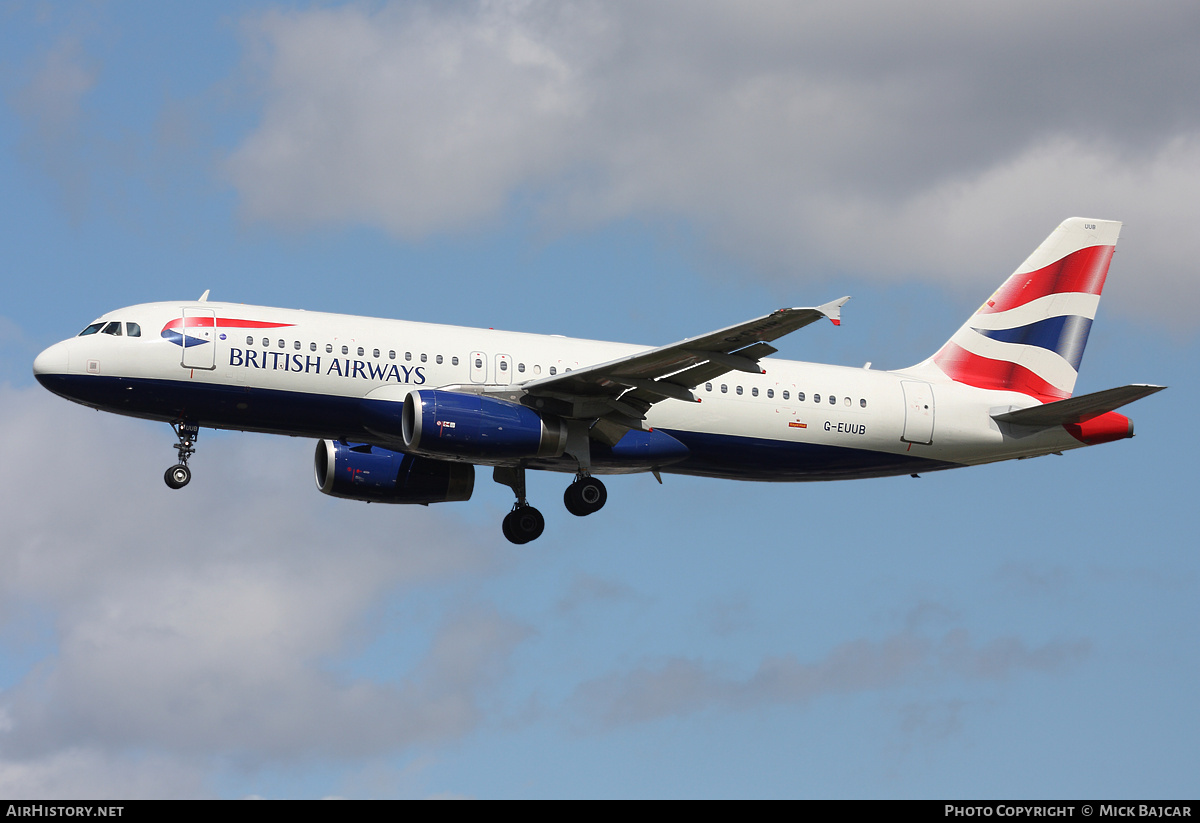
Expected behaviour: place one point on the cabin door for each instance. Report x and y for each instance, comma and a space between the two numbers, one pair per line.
199, 339
918, 412
504, 369
478, 367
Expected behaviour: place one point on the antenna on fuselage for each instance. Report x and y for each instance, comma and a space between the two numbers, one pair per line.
204, 297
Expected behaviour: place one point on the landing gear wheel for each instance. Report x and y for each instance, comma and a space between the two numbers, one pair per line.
585, 496
523, 524
178, 476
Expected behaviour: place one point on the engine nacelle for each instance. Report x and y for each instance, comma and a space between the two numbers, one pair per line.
479, 427
363, 472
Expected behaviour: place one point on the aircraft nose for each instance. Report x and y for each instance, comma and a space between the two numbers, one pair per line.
52, 361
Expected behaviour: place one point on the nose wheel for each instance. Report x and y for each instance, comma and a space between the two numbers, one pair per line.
585, 496
180, 475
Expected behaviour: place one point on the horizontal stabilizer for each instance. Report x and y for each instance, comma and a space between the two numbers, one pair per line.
1077, 409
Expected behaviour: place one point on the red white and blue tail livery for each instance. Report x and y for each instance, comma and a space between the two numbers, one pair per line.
404, 411
1029, 336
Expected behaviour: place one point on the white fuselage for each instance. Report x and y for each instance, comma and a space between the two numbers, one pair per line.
292, 372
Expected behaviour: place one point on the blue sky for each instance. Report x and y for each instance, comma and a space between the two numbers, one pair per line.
634, 172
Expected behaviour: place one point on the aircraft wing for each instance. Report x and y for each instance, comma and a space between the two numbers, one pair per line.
623, 390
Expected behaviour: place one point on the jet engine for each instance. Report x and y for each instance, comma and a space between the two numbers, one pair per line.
473, 426
365, 472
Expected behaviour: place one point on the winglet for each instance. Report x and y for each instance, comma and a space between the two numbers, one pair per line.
204, 297
833, 310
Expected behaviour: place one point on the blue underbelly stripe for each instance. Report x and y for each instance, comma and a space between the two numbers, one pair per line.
276, 411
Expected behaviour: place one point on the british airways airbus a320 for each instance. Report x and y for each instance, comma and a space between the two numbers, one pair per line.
405, 411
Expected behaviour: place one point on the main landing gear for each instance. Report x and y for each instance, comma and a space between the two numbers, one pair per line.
180, 475
525, 523
585, 496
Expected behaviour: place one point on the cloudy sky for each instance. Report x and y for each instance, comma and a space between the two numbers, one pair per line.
630, 171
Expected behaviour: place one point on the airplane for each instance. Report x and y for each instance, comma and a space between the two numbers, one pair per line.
404, 411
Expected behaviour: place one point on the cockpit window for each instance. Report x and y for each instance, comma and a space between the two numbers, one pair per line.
133, 330
92, 329
113, 328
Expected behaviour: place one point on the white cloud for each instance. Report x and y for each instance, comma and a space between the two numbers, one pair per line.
923, 143
201, 624
98, 774
680, 686
54, 93
416, 119
50, 105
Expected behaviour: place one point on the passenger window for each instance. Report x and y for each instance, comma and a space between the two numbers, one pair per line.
847, 401
739, 389
799, 396
785, 395
312, 346
92, 329
453, 361
537, 369
439, 362
754, 391
282, 344
266, 342
520, 366
553, 370
863, 402
375, 354
770, 392
329, 348
724, 389
708, 386
424, 357
816, 398
832, 400
133, 330
503, 364
408, 355
345, 349
296, 345
114, 329
478, 363
391, 355
249, 341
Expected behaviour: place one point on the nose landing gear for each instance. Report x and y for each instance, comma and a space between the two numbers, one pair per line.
180, 475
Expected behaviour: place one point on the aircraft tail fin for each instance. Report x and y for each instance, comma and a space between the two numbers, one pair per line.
1030, 334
